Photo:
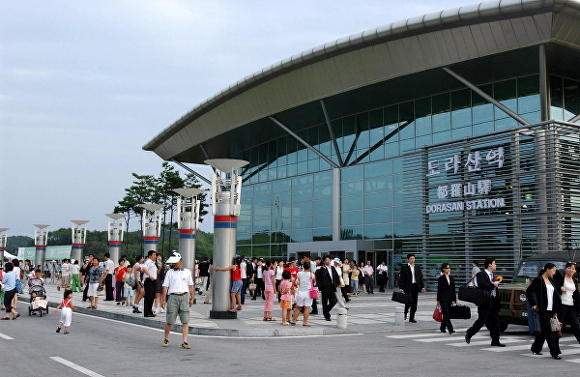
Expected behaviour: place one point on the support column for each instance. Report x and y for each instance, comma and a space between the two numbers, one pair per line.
226, 195
336, 204
79, 237
115, 231
40, 241
3, 239
151, 226
188, 218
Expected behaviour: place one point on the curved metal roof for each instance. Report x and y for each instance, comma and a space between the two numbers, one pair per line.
435, 40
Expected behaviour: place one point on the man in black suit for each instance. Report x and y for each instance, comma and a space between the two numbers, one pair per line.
327, 281
488, 311
411, 282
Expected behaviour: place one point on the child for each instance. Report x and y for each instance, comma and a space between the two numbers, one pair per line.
286, 287
127, 288
66, 312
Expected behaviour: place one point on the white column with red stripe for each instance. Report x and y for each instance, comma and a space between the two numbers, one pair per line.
115, 232
3, 240
40, 241
226, 195
79, 237
188, 219
151, 226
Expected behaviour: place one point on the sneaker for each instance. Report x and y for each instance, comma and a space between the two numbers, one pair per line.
185, 345
165, 342
161, 310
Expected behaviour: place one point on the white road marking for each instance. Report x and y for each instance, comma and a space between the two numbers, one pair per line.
4, 336
76, 367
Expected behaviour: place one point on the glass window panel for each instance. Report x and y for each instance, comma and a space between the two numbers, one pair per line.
322, 234
362, 123
377, 168
390, 150
261, 225
377, 231
379, 199
313, 165
378, 184
302, 182
506, 123
263, 212
533, 117
381, 215
375, 119
461, 132
441, 122
351, 218
351, 233
505, 92
323, 192
423, 140
302, 209
324, 178
354, 173
324, 220
352, 188
302, 195
441, 137
302, 235
461, 118
483, 128
302, 222
292, 170
406, 146
423, 116
351, 203
322, 206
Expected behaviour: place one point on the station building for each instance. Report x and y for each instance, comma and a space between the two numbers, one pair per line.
451, 135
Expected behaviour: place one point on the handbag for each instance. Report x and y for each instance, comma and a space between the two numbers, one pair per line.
313, 290
438, 314
401, 297
556, 327
534, 323
472, 294
252, 286
459, 312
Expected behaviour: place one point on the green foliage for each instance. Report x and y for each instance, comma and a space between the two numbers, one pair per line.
14, 242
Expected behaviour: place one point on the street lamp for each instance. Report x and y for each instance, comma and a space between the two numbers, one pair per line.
79, 238
115, 230
3, 239
151, 225
187, 222
40, 241
226, 193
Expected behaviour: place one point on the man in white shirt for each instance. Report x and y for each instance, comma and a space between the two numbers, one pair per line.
382, 276
65, 274
178, 286
149, 270
109, 267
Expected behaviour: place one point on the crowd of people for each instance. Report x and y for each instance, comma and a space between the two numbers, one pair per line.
298, 287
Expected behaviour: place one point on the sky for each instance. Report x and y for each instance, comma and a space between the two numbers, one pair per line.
85, 84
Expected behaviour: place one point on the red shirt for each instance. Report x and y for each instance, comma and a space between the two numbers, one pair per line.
236, 273
120, 273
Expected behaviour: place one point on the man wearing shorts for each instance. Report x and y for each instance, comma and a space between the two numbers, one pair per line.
178, 286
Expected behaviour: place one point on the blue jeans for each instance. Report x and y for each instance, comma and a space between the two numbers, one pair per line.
354, 285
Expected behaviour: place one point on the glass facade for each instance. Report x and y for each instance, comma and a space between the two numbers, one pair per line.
287, 193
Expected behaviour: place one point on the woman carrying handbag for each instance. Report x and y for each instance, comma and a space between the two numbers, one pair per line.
570, 298
544, 297
446, 296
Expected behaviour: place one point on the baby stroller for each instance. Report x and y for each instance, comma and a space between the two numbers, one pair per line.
38, 303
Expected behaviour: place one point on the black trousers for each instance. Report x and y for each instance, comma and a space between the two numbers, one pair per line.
568, 317
149, 297
119, 291
86, 292
109, 287
369, 283
259, 291
488, 315
546, 335
414, 299
328, 302
446, 323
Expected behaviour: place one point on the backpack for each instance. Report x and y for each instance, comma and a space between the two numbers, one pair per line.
130, 281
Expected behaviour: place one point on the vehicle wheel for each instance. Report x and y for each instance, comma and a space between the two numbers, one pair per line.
503, 326
29, 311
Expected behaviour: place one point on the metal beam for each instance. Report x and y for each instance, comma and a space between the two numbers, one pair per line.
282, 126
544, 88
331, 132
575, 119
489, 98
193, 172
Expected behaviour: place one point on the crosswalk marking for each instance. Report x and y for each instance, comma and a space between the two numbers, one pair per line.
514, 343
4, 336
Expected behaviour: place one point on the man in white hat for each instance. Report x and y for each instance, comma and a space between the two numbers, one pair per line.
178, 285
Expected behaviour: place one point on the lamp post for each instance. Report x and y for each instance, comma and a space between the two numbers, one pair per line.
115, 230
79, 238
187, 221
3, 239
40, 241
151, 225
226, 192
